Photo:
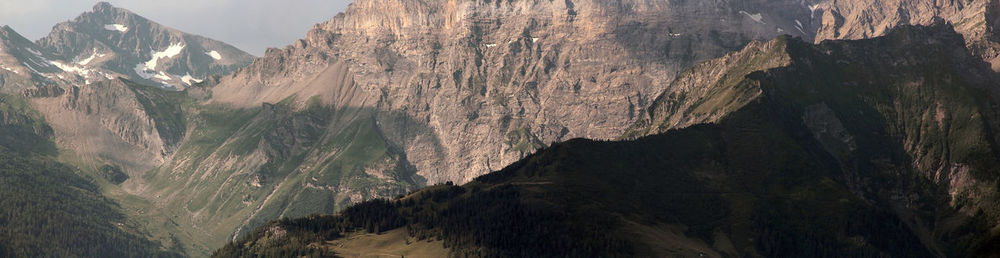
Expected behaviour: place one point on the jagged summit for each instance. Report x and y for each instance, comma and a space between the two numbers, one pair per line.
102, 6
108, 42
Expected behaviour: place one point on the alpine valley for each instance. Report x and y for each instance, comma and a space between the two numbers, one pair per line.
517, 128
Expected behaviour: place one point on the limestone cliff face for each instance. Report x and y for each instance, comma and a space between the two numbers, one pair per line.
976, 20
495, 80
117, 122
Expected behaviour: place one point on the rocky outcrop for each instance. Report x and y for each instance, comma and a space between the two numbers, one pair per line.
976, 20
704, 93
117, 122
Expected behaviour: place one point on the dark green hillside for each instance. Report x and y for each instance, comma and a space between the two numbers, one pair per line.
579, 198
48, 210
881, 147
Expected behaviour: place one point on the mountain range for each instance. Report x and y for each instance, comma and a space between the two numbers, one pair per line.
706, 119
846, 148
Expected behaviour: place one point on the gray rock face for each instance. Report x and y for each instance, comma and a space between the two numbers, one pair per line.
110, 42
114, 121
976, 20
495, 80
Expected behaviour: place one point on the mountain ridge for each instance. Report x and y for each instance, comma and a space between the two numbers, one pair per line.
786, 174
391, 96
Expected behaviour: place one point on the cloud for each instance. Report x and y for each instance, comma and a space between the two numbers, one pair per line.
252, 25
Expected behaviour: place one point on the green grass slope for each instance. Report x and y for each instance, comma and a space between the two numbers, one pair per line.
239, 168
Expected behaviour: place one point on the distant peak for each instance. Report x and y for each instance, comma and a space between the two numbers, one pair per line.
100, 6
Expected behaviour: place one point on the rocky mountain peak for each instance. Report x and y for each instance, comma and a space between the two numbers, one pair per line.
102, 6
122, 43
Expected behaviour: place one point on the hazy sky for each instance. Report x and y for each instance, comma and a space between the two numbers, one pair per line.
251, 25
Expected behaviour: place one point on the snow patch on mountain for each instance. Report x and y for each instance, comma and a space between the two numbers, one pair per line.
31, 68
170, 52
187, 79
757, 17
812, 10
33, 51
87, 60
214, 54
117, 27
162, 76
799, 27
71, 68
141, 71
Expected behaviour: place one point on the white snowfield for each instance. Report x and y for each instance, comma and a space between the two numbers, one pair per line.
140, 70
171, 51
118, 27
757, 17
72, 68
162, 76
214, 54
187, 79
